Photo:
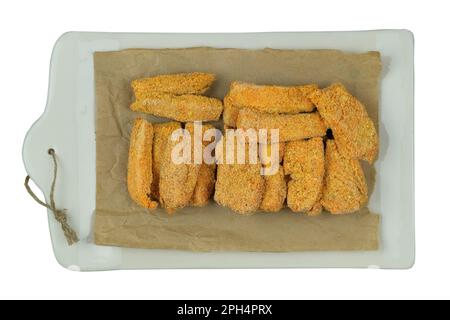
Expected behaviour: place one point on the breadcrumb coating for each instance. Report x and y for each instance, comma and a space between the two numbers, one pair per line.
183, 108
230, 112
205, 185
353, 130
275, 185
291, 126
272, 99
274, 192
239, 187
345, 188
177, 84
206, 175
304, 161
177, 181
316, 208
265, 152
331, 178
161, 136
139, 178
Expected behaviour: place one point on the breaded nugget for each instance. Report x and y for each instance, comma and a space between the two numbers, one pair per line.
139, 178
239, 187
161, 136
272, 99
291, 126
184, 108
207, 173
353, 130
177, 84
230, 112
274, 192
345, 188
177, 180
304, 162
304, 198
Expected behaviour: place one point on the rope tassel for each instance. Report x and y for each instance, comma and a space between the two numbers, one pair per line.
59, 214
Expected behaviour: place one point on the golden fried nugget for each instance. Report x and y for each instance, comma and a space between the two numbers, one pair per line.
291, 126
345, 188
184, 108
177, 84
207, 173
304, 162
177, 180
139, 178
161, 136
353, 130
275, 192
272, 99
239, 187
230, 112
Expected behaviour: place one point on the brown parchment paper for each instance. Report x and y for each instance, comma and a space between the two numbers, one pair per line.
120, 222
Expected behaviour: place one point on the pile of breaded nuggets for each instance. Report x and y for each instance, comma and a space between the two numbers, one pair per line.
323, 134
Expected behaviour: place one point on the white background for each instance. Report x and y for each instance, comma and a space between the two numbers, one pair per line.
28, 30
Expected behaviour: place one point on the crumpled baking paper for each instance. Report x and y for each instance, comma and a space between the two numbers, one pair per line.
120, 222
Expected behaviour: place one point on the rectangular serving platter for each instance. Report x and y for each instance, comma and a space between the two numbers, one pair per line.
68, 126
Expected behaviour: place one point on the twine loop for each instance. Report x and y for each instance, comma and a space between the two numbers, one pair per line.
59, 214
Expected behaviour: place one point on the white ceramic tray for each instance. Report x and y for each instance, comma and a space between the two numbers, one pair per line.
68, 126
